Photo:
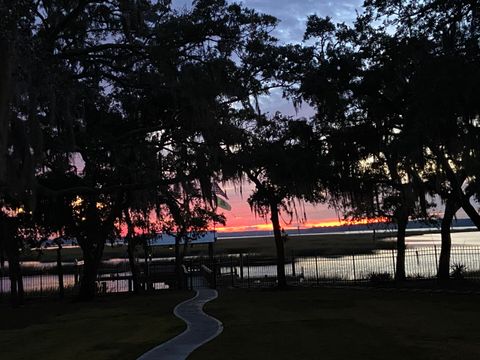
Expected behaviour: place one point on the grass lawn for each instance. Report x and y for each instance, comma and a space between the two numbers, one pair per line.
113, 327
343, 324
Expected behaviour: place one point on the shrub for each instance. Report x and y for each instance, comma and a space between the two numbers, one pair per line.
379, 277
458, 271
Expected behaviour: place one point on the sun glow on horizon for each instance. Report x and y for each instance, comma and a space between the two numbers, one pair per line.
308, 225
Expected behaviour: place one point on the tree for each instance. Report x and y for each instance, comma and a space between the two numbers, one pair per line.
11, 245
442, 102
147, 96
120, 82
20, 143
277, 155
357, 79
188, 217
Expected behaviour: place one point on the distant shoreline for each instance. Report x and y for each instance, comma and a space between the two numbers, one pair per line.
353, 229
379, 232
326, 243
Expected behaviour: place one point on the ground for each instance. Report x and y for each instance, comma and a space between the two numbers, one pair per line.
114, 327
344, 324
259, 324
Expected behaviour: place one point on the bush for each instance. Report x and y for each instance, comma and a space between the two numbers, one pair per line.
379, 277
416, 276
458, 271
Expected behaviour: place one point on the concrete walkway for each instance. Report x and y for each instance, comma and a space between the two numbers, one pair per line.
201, 328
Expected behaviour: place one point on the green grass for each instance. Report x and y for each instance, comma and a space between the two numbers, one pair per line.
343, 324
115, 327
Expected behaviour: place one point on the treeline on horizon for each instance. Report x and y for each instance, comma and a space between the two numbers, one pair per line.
123, 114
378, 226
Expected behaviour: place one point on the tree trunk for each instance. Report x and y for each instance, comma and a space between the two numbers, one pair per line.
10, 245
402, 222
93, 243
5, 93
2, 250
471, 212
178, 264
15, 274
131, 253
2, 265
451, 208
61, 287
88, 287
282, 280
146, 253
133, 265
13, 285
92, 254
88, 281
456, 184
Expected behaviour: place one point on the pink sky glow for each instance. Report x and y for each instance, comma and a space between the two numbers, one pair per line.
241, 218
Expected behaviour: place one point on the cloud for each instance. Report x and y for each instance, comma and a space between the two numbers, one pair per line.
274, 102
293, 14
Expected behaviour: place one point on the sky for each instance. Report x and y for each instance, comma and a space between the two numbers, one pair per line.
292, 15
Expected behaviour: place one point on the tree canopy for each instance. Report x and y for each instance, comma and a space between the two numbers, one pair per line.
117, 114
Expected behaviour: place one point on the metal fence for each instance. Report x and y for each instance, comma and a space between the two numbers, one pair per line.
246, 270
420, 263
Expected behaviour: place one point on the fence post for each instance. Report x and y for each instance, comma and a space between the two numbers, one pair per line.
241, 267
214, 273
354, 270
190, 275
77, 273
293, 264
248, 271
316, 268
393, 262
2, 275
436, 259
231, 273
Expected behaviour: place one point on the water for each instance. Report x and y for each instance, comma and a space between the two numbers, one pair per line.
421, 260
471, 238
43, 284
38, 283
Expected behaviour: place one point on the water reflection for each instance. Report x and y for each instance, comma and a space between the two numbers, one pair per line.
43, 284
421, 261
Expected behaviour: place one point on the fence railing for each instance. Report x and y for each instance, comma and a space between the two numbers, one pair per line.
420, 263
244, 270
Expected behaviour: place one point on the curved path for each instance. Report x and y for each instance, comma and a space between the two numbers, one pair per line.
201, 328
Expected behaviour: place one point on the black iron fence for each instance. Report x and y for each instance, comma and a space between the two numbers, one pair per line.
243, 270
247, 270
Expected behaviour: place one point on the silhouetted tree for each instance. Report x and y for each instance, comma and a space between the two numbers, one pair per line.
277, 155
357, 80
187, 216
441, 50
127, 97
